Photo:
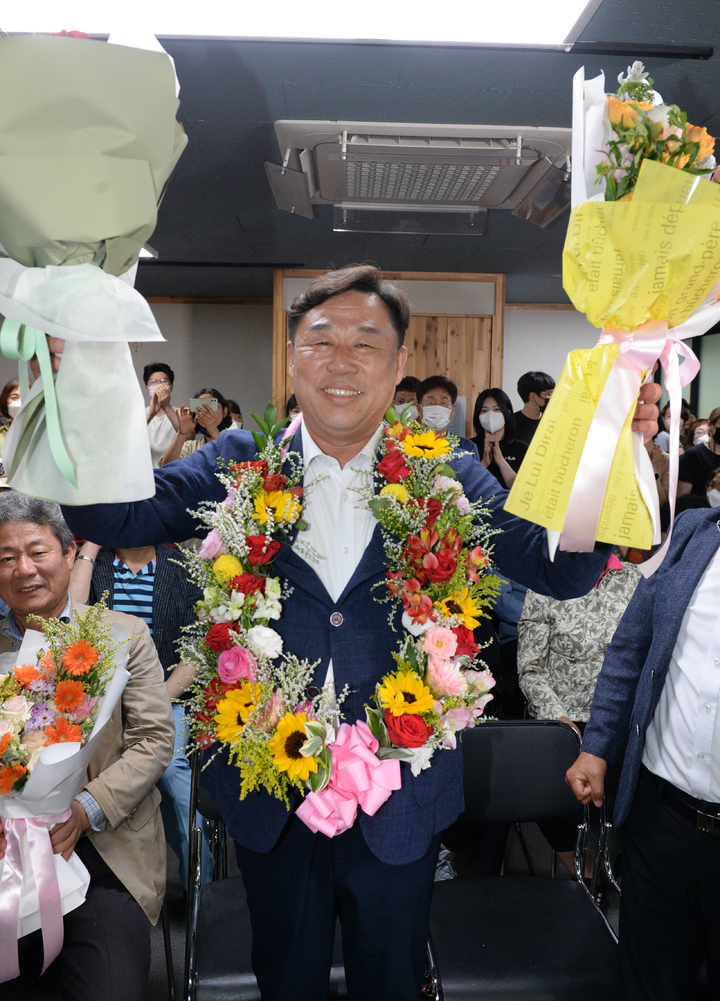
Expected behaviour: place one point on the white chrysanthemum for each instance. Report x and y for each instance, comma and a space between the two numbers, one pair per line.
265, 641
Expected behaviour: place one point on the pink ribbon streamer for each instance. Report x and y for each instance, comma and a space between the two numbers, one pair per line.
290, 434
43, 867
359, 778
638, 352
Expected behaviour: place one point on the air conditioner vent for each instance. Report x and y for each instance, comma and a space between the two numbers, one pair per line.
417, 182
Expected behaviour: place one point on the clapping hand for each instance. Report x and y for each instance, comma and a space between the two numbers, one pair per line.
186, 421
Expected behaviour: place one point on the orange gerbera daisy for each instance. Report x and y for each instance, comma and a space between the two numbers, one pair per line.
62, 731
25, 673
68, 695
4, 741
9, 776
47, 663
80, 657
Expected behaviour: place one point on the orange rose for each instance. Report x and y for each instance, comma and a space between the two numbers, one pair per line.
624, 113
697, 134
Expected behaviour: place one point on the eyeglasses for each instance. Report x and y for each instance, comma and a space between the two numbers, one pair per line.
159, 382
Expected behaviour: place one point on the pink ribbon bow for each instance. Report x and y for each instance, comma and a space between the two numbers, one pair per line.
46, 883
638, 352
359, 778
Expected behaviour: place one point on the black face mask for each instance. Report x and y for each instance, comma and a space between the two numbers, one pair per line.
716, 436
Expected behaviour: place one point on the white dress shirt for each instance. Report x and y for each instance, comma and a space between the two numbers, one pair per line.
340, 523
161, 434
683, 739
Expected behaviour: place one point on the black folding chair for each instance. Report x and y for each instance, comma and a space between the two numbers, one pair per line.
517, 937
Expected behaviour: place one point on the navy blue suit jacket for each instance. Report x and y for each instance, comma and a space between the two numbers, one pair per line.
637, 660
360, 646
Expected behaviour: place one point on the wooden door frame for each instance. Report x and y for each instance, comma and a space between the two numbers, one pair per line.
279, 360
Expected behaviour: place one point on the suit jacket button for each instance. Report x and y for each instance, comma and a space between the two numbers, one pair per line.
336, 619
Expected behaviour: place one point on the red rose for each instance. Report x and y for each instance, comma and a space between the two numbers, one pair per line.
407, 730
214, 692
434, 507
439, 567
248, 583
466, 645
218, 637
241, 467
275, 481
261, 550
393, 467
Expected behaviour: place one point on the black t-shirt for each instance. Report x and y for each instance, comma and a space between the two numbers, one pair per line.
513, 452
697, 466
525, 427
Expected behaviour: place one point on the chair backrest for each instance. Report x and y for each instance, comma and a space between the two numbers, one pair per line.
515, 771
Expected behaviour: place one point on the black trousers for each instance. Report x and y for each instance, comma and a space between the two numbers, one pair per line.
670, 904
298, 889
106, 947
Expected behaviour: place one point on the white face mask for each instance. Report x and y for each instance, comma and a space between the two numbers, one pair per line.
713, 497
702, 439
492, 421
236, 425
437, 418
13, 408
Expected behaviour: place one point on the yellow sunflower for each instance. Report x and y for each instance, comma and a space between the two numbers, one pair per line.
405, 692
226, 567
395, 490
289, 738
462, 606
283, 506
426, 445
232, 712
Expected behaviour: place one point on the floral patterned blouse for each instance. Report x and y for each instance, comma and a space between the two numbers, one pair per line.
562, 644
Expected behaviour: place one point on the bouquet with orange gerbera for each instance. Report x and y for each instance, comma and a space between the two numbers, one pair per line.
54, 702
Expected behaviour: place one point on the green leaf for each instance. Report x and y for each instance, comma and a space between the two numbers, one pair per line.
391, 414
376, 726
319, 779
265, 428
270, 414
401, 753
379, 504
259, 440
302, 526
442, 469
412, 657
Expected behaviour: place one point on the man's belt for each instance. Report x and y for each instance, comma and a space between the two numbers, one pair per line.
705, 816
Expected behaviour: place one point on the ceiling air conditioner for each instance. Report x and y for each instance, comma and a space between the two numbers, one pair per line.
370, 170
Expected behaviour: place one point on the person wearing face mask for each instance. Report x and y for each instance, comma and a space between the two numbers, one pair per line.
199, 427
700, 461
236, 418
9, 406
162, 420
501, 451
698, 433
534, 389
436, 399
406, 394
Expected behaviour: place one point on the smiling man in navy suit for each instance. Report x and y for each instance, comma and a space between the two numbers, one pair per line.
346, 356
656, 713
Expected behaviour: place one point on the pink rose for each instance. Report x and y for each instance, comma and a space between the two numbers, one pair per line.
211, 546
17, 709
236, 663
444, 677
440, 642
34, 740
7, 727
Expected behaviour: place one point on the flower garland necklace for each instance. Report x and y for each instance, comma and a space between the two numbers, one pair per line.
254, 697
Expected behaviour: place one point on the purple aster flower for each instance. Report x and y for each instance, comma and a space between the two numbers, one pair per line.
41, 715
41, 686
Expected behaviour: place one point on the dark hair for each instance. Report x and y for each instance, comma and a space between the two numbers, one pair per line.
354, 278
227, 420
234, 407
534, 382
437, 382
8, 389
291, 404
15, 507
503, 401
410, 384
714, 416
158, 366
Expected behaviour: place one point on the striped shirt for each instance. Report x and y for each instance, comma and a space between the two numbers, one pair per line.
133, 592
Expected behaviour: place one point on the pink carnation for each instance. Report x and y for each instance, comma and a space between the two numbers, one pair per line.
84, 710
211, 546
440, 642
445, 678
463, 504
236, 663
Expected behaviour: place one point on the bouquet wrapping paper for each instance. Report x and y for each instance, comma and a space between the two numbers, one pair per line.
647, 272
88, 140
36, 886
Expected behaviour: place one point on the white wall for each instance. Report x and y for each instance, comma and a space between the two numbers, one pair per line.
539, 340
